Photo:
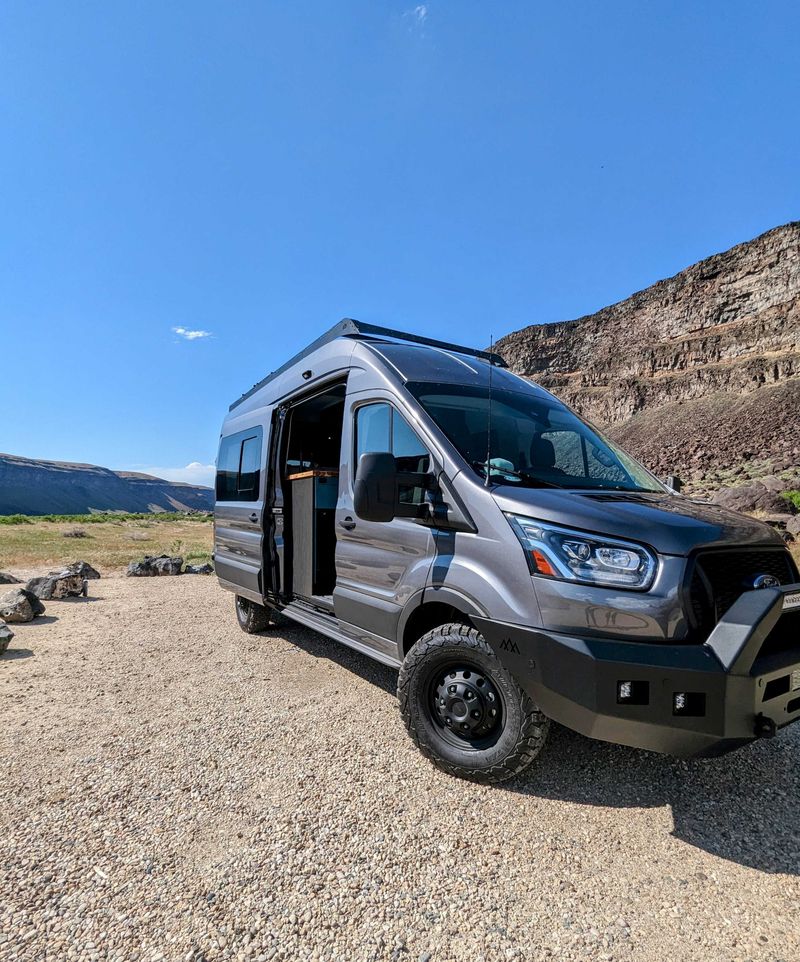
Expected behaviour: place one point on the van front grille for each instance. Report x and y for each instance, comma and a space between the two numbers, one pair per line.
719, 577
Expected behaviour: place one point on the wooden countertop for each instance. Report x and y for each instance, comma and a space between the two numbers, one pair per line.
312, 474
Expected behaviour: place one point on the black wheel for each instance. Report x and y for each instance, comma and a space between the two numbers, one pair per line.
465, 712
252, 617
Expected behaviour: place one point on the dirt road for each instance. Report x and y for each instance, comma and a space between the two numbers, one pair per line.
175, 789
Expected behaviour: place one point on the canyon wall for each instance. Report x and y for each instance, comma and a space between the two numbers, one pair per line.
30, 486
698, 373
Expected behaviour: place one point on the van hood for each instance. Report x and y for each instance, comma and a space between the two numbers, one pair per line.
671, 524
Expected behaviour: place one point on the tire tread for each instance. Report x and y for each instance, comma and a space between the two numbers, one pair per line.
533, 730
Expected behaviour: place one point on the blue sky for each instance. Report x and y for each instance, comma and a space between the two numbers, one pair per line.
258, 170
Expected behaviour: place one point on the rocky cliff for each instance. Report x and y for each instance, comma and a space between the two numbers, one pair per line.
28, 486
699, 373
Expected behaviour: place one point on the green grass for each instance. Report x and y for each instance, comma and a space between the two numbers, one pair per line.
103, 517
110, 542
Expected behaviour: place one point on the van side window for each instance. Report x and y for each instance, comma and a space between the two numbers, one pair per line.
239, 466
380, 428
249, 468
373, 429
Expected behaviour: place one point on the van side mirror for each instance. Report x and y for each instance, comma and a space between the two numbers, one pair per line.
375, 487
674, 482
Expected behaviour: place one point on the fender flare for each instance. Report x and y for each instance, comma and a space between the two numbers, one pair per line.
433, 595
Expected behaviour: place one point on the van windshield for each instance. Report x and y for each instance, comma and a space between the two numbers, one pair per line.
535, 440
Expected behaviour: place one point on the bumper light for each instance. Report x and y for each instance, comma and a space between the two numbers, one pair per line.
568, 555
690, 704
633, 692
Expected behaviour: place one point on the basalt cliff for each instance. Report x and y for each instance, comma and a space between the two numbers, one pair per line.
697, 375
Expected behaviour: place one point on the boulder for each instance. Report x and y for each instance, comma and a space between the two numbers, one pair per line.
7, 579
6, 634
164, 565
753, 497
793, 527
20, 605
57, 585
150, 567
205, 569
83, 569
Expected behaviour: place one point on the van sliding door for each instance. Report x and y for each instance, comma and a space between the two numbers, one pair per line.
238, 509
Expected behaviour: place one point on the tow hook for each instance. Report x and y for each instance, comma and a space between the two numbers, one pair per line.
765, 727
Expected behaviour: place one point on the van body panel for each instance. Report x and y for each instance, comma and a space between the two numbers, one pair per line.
591, 610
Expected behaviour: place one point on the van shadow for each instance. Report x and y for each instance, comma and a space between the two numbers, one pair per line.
318, 645
742, 807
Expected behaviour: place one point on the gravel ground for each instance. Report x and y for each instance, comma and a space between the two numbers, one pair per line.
175, 789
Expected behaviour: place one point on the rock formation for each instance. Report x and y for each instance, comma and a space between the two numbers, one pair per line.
697, 374
28, 486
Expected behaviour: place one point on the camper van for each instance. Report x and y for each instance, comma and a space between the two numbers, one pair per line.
419, 502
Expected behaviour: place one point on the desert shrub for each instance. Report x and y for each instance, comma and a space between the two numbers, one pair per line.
15, 519
74, 533
177, 548
793, 496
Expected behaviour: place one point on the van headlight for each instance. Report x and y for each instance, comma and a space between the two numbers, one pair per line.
555, 552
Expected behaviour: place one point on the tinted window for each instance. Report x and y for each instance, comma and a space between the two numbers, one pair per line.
239, 466
380, 428
228, 469
373, 429
249, 467
409, 452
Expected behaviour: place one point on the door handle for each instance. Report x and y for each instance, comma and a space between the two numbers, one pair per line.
347, 523
254, 516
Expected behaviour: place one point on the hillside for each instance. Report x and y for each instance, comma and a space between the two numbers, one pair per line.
698, 374
28, 486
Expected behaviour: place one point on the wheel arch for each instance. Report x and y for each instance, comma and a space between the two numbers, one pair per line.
432, 607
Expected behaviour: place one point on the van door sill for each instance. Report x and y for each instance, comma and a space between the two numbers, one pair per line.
330, 625
323, 603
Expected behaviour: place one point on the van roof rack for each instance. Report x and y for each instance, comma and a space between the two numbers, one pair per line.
362, 331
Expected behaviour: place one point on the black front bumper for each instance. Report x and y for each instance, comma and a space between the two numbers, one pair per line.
683, 700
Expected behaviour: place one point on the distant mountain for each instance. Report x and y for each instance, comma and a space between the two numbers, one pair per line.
29, 486
698, 374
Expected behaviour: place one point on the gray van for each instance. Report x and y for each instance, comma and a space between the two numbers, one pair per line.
417, 501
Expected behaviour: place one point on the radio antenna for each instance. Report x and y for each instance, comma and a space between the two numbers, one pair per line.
489, 415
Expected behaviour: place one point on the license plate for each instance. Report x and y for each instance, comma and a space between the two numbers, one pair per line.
791, 600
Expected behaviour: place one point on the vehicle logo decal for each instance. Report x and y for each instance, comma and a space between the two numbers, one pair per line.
765, 581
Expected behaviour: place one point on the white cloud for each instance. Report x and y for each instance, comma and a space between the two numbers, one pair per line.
418, 14
194, 473
191, 335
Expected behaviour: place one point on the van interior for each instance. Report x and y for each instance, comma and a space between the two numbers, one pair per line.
310, 484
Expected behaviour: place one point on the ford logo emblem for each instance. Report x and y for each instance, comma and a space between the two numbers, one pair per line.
765, 581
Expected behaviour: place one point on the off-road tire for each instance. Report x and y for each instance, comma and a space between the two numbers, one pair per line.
252, 617
522, 729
